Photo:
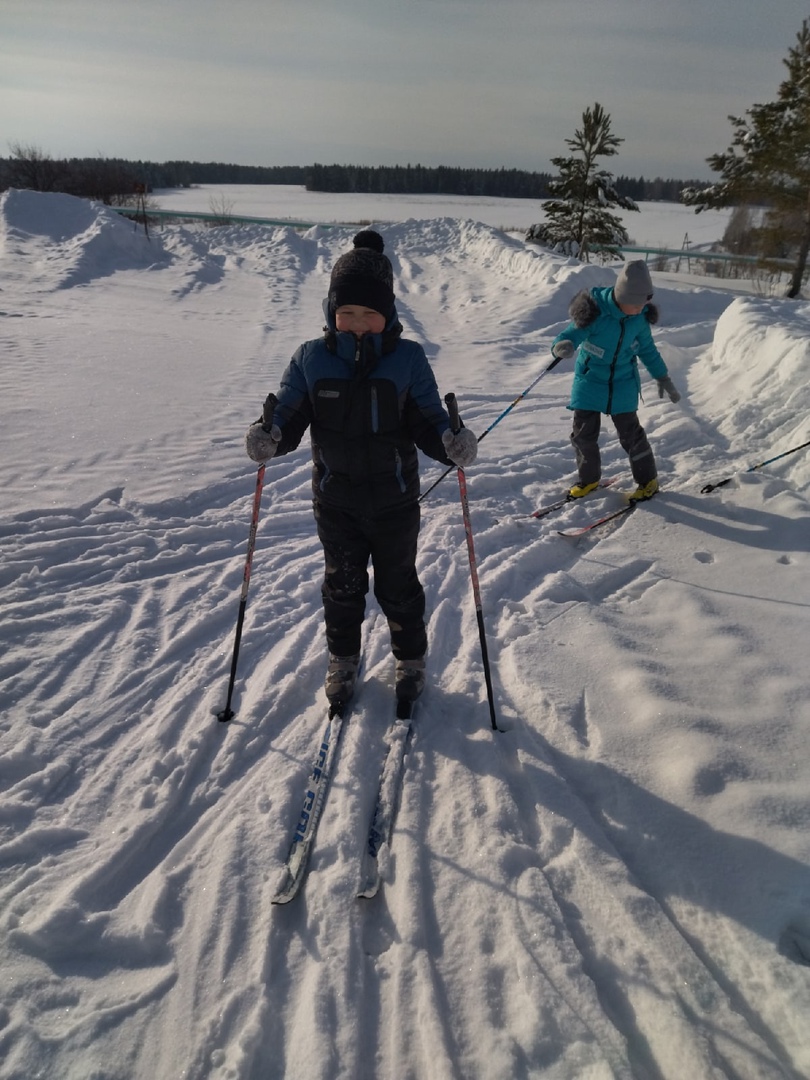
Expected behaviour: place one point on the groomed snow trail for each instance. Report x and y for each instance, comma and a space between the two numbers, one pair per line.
579, 897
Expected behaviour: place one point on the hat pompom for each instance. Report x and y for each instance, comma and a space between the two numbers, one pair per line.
363, 276
368, 238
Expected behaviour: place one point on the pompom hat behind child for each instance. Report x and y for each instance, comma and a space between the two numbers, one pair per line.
363, 276
634, 285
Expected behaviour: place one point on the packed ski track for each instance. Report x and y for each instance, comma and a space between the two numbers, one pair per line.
616, 885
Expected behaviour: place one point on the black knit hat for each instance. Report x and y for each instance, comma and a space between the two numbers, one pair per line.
363, 276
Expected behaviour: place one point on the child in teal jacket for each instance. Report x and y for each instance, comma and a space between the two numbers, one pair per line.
610, 332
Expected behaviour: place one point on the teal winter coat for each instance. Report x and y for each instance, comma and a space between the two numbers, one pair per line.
609, 346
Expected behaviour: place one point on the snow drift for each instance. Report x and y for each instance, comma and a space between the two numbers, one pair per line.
617, 886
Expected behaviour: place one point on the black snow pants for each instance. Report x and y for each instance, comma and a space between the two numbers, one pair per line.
585, 440
389, 540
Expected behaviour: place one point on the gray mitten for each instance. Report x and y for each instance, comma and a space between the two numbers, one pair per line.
261, 444
564, 349
461, 447
667, 386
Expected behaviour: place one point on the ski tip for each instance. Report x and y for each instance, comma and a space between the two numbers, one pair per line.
225, 715
287, 889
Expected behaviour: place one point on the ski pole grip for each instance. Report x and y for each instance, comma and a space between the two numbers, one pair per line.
452, 412
268, 409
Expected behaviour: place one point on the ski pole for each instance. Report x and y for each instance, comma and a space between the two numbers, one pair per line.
455, 424
497, 421
753, 468
267, 421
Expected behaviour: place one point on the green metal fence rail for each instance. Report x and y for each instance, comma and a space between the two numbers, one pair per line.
707, 256
225, 218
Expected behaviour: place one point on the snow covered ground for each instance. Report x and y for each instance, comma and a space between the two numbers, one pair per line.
617, 886
663, 225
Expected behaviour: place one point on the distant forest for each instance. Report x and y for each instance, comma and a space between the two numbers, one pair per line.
113, 180
445, 180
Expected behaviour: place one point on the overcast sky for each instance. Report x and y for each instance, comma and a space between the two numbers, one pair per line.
485, 83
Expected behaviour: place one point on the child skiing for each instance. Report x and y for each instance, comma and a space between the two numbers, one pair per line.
370, 399
610, 332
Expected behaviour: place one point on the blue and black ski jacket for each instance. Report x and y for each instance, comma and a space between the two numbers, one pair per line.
369, 403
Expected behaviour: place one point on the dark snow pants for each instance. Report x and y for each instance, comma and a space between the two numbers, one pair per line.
389, 540
585, 440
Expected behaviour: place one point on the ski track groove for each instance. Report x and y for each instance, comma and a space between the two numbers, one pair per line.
559, 873
625, 585
180, 901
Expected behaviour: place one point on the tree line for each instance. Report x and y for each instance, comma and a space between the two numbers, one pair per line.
115, 180
448, 180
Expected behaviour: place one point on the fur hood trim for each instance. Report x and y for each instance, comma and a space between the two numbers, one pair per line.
583, 309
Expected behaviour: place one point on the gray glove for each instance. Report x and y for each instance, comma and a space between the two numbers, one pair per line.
564, 349
667, 386
261, 444
461, 447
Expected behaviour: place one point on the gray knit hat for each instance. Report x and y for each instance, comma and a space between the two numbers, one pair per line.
363, 276
634, 285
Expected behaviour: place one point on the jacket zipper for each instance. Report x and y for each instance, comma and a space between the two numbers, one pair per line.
613, 367
374, 405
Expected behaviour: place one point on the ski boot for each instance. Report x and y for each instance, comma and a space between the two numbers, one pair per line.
410, 679
341, 676
644, 491
578, 490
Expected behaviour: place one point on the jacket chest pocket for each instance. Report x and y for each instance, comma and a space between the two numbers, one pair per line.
383, 407
370, 407
331, 403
